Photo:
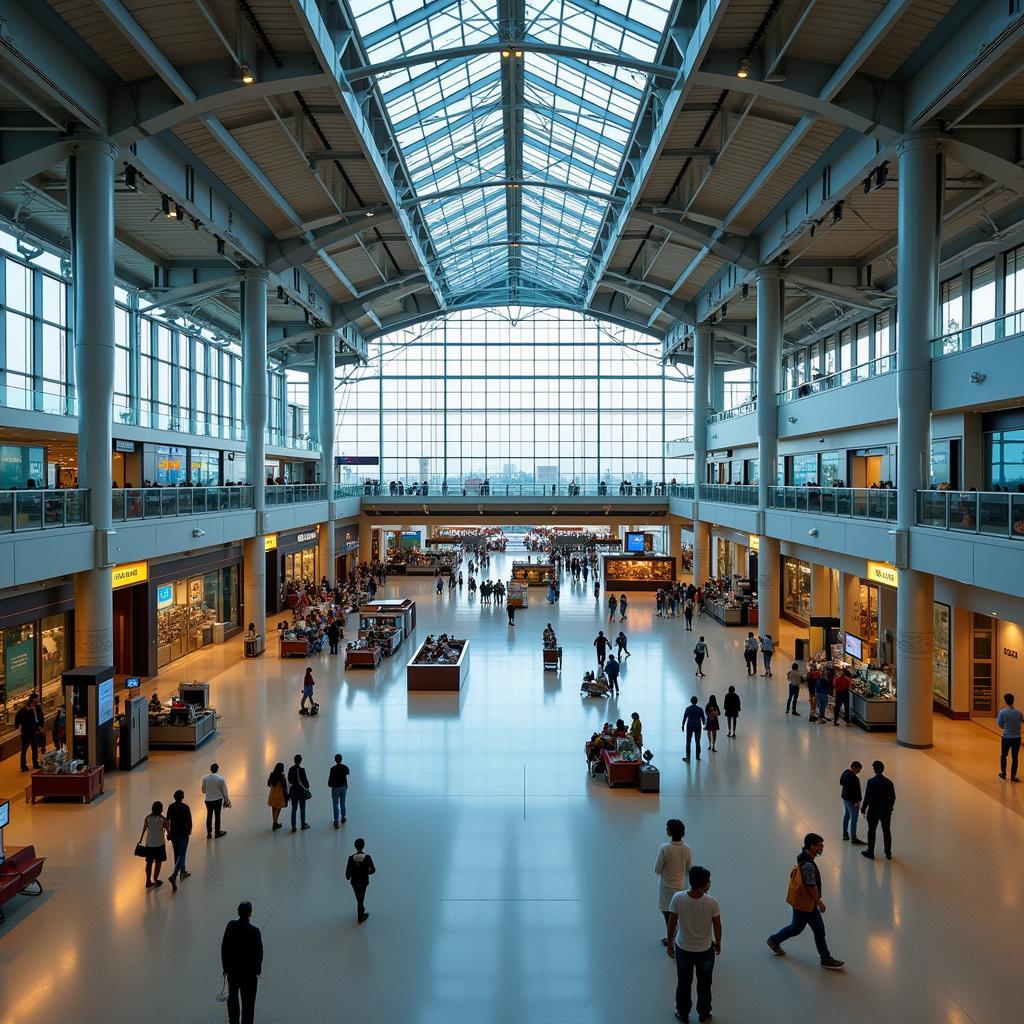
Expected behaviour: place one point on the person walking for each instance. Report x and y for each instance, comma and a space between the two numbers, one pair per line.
731, 706
215, 796
358, 870
601, 643
1009, 720
821, 695
879, 800
241, 959
439, 587
622, 645
636, 731
611, 670
337, 780
613, 604
804, 896
623, 606
750, 654
597, 588
693, 722
688, 614
695, 934
841, 688
794, 679
308, 682
672, 866
28, 724
179, 828
154, 827
700, 652
277, 798
298, 791
767, 652
711, 713
511, 614
850, 794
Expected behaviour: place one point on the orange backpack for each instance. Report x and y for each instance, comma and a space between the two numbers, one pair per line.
797, 895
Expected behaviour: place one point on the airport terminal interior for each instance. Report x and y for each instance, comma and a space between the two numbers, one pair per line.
364, 362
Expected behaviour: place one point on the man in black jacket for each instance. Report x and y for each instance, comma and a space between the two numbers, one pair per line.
358, 870
179, 828
27, 720
879, 800
850, 794
241, 957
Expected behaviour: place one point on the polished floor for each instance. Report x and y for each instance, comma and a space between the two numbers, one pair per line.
510, 887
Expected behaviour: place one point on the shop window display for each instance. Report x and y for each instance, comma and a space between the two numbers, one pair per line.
796, 588
187, 611
869, 618
18, 665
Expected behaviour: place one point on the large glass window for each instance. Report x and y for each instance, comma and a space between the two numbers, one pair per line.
983, 294
805, 470
796, 588
951, 305
1004, 457
519, 397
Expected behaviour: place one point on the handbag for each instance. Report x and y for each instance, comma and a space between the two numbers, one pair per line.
140, 850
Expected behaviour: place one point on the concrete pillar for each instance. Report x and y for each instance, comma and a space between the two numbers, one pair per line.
769, 355
702, 356
254, 384
849, 603
365, 539
325, 435
717, 396
921, 177
701, 553
821, 590
92, 233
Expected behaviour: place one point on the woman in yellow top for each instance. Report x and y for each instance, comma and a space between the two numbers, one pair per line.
636, 731
277, 798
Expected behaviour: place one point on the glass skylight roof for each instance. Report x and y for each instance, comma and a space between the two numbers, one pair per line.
560, 149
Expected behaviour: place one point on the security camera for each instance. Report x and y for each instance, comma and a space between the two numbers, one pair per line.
198, 533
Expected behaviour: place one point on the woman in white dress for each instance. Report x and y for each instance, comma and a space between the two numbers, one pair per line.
672, 868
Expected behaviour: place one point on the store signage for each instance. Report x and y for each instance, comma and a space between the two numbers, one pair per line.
270, 543
105, 701
128, 574
754, 542
165, 595
1009, 653
195, 590
356, 460
20, 665
883, 572
306, 538
128, 447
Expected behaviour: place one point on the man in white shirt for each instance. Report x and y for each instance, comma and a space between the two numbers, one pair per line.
694, 917
215, 795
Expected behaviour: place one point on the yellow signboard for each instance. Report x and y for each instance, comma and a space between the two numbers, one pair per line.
754, 542
883, 572
129, 573
270, 543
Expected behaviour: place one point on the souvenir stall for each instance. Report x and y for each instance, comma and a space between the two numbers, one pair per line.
638, 572
533, 574
362, 653
731, 602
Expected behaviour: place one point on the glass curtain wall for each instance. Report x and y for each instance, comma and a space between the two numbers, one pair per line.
521, 398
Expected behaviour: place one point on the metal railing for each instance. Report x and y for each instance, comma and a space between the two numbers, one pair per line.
679, 447
42, 510
681, 490
730, 494
878, 504
52, 398
134, 503
283, 440
736, 410
877, 367
994, 513
349, 490
496, 490
985, 333
293, 494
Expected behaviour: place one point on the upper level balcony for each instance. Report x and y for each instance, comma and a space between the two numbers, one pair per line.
42, 510
999, 329
681, 448
730, 414
294, 494
135, 503
874, 503
877, 367
280, 439
729, 494
993, 513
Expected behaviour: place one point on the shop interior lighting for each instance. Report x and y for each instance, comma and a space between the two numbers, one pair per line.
743, 71
245, 73
165, 205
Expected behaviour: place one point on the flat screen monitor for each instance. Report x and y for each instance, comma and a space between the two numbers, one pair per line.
132, 683
854, 646
5, 813
636, 542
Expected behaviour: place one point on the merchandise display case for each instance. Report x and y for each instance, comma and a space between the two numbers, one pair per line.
362, 654
533, 574
405, 607
183, 724
873, 698
641, 572
518, 594
439, 664
387, 637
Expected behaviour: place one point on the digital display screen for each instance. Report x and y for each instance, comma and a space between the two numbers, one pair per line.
636, 542
132, 683
854, 646
165, 595
5, 813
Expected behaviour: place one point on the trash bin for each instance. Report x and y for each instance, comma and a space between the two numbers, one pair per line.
253, 646
650, 779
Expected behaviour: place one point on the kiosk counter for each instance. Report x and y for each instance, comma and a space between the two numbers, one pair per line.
638, 572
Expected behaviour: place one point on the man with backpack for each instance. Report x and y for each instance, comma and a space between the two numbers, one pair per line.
804, 896
700, 652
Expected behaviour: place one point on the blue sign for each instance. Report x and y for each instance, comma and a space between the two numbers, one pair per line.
164, 595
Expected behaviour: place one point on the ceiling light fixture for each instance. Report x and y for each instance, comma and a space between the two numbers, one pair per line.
165, 205
220, 245
245, 73
369, 213
743, 71
130, 177
506, 54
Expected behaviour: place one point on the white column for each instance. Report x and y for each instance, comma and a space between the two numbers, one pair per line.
254, 383
919, 225
702, 363
325, 433
769, 355
821, 590
92, 232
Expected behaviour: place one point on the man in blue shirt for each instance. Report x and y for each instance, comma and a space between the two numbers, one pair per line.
693, 722
1009, 720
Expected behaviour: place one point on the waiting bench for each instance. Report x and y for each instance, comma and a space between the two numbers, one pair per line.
19, 872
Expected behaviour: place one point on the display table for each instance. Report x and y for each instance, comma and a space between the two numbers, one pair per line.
367, 657
294, 648
405, 607
533, 574
618, 772
872, 712
553, 658
189, 735
727, 616
82, 785
388, 639
638, 572
438, 677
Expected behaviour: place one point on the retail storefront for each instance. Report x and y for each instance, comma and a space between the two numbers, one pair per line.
796, 590
36, 640
292, 561
346, 550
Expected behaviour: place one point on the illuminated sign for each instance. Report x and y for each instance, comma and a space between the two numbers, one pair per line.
129, 573
165, 595
883, 572
270, 543
754, 542
305, 538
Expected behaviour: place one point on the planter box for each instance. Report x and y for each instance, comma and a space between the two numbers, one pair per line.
438, 677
